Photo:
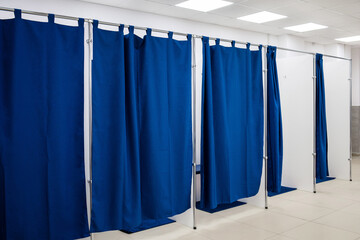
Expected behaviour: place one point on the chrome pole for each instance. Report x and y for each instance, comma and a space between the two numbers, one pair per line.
350, 148
89, 42
265, 127
314, 123
193, 69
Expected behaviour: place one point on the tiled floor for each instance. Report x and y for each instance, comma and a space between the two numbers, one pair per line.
333, 213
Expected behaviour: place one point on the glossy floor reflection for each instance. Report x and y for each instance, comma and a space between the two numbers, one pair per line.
333, 213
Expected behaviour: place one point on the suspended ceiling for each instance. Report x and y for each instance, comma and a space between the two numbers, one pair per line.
341, 16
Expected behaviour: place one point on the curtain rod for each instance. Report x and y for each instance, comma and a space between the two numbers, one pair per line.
160, 31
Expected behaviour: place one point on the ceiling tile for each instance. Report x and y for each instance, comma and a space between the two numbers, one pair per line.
235, 11
167, 2
329, 3
267, 5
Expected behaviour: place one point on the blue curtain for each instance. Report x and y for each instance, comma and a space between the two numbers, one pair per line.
321, 130
142, 133
232, 124
274, 124
42, 180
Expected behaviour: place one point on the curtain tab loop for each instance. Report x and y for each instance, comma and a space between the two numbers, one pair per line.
131, 29
96, 23
260, 47
217, 41
233, 43
51, 18
148, 31
170, 35
17, 13
248, 46
81, 22
121, 28
189, 36
205, 40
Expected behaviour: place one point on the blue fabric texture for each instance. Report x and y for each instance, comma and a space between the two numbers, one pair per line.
142, 130
232, 124
321, 131
42, 181
274, 124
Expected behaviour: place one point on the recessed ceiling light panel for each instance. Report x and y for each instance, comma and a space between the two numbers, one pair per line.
262, 17
306, 27
349, 39
204, 5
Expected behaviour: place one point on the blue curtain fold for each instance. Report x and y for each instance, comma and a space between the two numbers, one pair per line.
321, 131
42, 181
142, 130
232, 124
274, 124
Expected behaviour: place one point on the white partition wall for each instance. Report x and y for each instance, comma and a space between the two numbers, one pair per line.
337, 98
296, 94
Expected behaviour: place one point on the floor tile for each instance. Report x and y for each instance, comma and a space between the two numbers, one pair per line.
279, 237
167, 232
234, 230
314, 231
342, 220
111, 235
273, 222
300, 210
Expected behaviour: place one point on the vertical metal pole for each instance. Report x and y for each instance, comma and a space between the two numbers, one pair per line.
193, 68
350, 148
265, 127
314, 123
89, 43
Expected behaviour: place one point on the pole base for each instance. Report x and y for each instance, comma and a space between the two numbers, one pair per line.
350, 180
314, 191
194, 228
266, 207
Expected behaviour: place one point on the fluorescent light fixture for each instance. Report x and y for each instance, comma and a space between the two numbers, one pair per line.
204, 5
306, 27
349, 39
262, 17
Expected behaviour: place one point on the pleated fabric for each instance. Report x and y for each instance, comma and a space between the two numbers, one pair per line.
274, 124
142, 130
321, 130
232, 124
42, 181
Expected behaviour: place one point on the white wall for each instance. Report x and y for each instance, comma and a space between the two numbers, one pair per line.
355, 53
296, 93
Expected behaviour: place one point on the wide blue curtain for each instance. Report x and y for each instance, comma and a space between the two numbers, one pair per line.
274, 124
321, 130
42, 182
142, 133
232, 124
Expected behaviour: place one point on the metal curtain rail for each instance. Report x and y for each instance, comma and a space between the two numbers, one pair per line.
159, 31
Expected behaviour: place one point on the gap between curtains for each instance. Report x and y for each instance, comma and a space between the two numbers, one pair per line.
232, 124
142, 129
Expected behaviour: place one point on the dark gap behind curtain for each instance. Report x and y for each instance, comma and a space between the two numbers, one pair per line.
322, 170
42, 179
142, 130
232, 124
274, 124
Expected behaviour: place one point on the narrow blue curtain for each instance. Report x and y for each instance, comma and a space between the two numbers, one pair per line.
321, 131
42, 182
274, 124
232, 124
142, 133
